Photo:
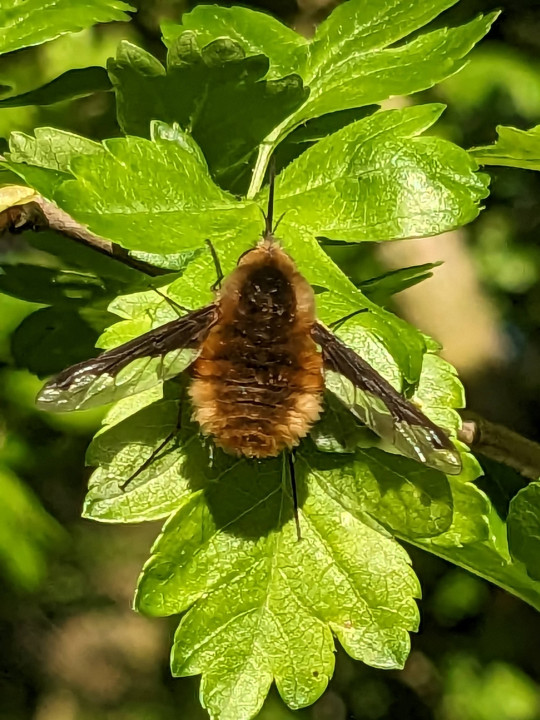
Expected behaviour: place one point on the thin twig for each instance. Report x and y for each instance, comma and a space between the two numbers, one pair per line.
40, 214
501, 444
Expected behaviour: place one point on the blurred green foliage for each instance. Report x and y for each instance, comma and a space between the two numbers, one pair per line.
71, 648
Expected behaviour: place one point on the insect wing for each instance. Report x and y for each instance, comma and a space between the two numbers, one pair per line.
377, 404
130, 368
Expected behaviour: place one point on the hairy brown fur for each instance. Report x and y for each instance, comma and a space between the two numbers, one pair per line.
257, 383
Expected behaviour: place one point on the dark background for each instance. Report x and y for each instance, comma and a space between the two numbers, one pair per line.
71, 648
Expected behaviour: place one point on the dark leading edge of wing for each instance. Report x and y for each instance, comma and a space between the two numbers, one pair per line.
377, 404
135, 366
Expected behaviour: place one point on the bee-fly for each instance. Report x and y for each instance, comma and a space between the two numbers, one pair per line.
256, 358
257, 381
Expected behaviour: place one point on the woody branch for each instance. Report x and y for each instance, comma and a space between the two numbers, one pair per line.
501, 444
40, 214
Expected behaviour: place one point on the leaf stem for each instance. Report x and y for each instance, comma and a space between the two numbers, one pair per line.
263, 158
266, 148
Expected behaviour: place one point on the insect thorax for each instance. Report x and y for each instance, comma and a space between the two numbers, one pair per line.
266, 299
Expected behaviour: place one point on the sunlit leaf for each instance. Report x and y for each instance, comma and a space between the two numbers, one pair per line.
514, 148
231, 558
30, 23
378, 179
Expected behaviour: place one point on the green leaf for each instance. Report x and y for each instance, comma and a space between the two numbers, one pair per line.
470, 516
153, 197
376, 179
379, 289
256, 32
477, 539
524, 528
7, 178
175, 262
514, 148
27, 533
350, 62
141, 311
221, 97
136, 431
28, 22
306, 135
384, 340
264, 603
486, 557
374, 488
43, 161
50, 148
68, 86
400, 494
338, 431
440, 394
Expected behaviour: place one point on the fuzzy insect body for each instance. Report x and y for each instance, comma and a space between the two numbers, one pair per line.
258, 380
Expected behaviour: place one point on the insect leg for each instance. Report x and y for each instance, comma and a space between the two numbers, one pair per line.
158, 451
217, 265
175, 306
292, 476
338, 323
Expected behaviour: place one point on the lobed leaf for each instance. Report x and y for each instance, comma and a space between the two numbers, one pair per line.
43, 161
221, 97
152, 196
487, 554
350, 63
50, 148
264, 603
377, 180
256, 32
257, 604
400, 494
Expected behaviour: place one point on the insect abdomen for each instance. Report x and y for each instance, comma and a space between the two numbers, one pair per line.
258, 380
